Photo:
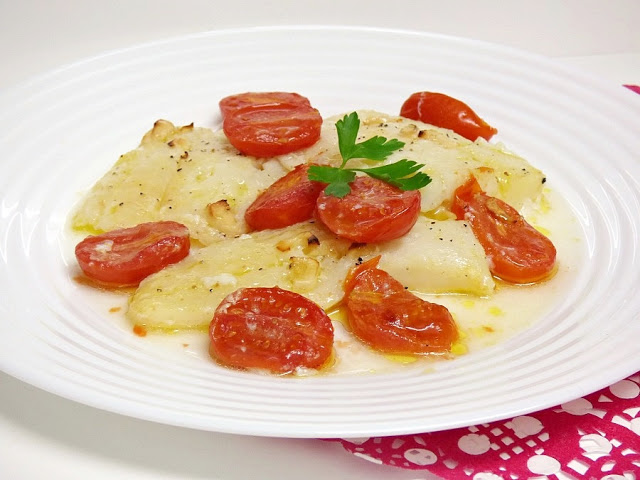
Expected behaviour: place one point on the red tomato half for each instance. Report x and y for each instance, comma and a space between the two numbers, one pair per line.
126, 256
235, 102
446, 112
271, 329
516, 251
266, 130
374, 211
290, 200
392, 320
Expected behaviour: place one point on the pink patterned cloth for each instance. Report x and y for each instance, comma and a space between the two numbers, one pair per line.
633, 88
593, 437
596, 437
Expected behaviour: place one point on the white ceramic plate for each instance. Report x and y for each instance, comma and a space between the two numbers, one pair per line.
61, 131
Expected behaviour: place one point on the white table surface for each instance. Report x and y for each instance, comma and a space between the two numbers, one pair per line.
44, 436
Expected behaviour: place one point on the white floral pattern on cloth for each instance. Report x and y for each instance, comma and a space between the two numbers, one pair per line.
594, 437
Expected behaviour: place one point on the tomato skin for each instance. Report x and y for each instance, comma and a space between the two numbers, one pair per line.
446, 112
371, 264
124, 257
289, 200
234, 102
391, 319
267, 130
374, 211
272, 329
516, 251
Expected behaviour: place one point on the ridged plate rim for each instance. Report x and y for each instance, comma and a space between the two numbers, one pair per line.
562, 119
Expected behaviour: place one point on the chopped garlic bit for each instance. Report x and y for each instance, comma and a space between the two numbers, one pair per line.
301, 241
409, 131
304, 272
220, 217
104, 247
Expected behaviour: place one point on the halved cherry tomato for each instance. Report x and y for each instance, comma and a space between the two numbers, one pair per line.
271, 329
291, 199
266, 130
516, 251
235, 102
374, 211
446, 112
124, 257
393, 320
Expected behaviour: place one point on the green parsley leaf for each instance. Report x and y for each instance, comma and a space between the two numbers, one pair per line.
403, 174
347, 134
375, 148
338, 189
337, 178
321, 173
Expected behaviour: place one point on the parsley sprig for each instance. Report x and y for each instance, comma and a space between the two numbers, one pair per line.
403, 174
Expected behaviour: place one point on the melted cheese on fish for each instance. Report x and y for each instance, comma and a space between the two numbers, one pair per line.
306, 258
185, 174
194, 176
449, 159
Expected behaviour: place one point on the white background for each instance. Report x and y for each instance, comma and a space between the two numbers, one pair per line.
43, 436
